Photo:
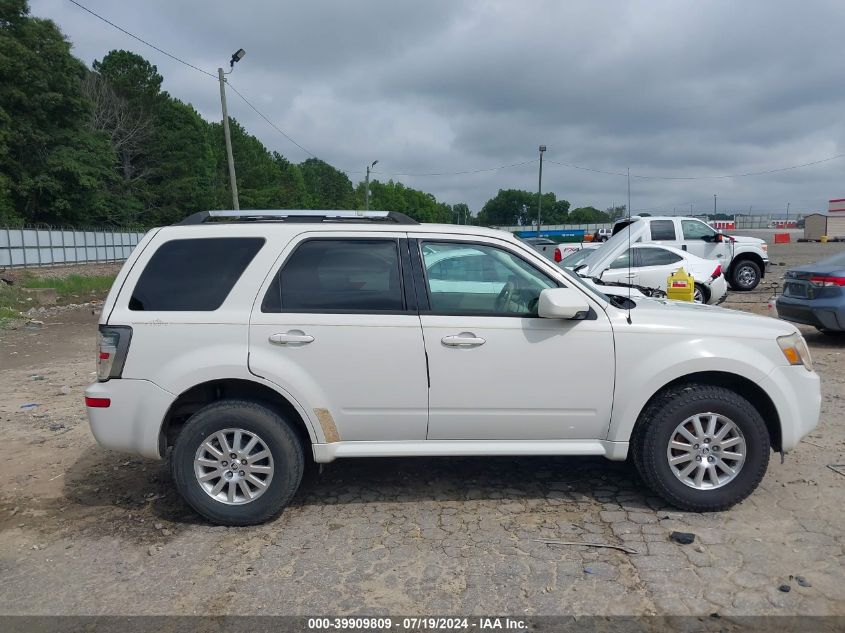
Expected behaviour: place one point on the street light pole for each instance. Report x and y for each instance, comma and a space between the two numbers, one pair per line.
714, 206
540, 190
236, 57
367, 186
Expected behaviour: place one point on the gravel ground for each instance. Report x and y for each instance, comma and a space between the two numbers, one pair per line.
87, 531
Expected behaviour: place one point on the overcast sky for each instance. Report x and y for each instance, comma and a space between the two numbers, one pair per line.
672, 88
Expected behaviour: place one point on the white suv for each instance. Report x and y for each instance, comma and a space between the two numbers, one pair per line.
249, 341
743, 259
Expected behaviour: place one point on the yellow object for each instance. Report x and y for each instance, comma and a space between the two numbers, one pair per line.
680, 286
823, 239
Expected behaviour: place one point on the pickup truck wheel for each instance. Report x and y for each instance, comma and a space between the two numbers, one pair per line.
745, 275
702, 448
237, 462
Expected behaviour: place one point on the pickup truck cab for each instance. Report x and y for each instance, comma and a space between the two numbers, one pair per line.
743, 259
243, 343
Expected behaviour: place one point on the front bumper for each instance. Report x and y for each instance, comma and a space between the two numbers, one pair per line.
132, 422
826, 315
796, 394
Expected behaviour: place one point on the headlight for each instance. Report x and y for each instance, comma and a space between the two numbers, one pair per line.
795, 350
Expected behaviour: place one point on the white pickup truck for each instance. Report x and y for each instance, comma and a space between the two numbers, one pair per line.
743, 259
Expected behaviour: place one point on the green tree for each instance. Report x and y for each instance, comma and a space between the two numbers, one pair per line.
181, 174
394, 196
586, 215
327, 187
54, 167
462, 213
515, 206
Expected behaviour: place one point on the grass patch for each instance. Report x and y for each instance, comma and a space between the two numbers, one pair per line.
70, 289
72, 284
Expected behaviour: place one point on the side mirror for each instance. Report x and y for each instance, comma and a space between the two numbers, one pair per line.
562, 303
719, 237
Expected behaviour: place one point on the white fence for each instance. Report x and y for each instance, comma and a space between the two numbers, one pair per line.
24, 248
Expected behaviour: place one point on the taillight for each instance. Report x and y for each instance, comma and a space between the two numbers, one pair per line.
97, 403
716, 272
827, 280
558, 256
111, 351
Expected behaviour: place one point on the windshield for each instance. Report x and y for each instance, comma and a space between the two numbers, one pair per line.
571, 261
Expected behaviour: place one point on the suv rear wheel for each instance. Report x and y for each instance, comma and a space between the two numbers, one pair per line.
745, 275
702, 448
237, 462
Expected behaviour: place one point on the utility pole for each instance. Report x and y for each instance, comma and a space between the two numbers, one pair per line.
540, 190
367, 186
714, 206
236, 57
787, 215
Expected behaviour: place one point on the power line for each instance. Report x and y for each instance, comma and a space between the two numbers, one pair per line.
143, 41
269, 122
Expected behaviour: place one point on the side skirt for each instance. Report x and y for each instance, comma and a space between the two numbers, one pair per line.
323, 453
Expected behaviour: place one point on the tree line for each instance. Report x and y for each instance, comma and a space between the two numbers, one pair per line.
106, 146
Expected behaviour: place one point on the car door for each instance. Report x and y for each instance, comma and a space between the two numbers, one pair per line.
655, 266
497, 370
336, 325
701, 240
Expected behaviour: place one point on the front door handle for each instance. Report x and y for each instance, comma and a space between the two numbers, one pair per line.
464, 339
294, 336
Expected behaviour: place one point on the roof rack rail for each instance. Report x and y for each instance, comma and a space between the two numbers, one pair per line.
297, 215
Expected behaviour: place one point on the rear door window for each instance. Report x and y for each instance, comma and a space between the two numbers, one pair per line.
658, 257
338, 275
662, 230
193, 275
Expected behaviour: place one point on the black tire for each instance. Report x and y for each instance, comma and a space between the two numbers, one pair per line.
705, 294
274, 431
603, 238
657, 425
745, 275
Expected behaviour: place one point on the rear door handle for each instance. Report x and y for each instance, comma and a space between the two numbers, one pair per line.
464, 339
294, 336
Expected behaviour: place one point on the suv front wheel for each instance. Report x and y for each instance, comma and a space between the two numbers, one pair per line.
237, 462
702, 448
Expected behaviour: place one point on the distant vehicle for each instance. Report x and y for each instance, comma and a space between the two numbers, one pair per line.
542, 245
814, 294
651, 266
602, 235
743, 259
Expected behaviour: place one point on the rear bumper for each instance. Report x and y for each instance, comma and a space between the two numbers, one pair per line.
132, 422
796, 393
828, 315
718, 290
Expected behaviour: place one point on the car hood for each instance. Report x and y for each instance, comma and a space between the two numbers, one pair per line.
601, 257
684, 316
744, 239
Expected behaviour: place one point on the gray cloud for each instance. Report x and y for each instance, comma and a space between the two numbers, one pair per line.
669, 87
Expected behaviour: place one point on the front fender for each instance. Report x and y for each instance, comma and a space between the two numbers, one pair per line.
647, 363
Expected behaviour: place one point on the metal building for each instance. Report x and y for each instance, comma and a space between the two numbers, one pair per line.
815, 225
836, 218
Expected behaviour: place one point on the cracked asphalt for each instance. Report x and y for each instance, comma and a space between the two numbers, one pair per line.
87, 531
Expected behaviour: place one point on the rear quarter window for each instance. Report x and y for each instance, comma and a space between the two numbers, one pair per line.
194, 275
662, 230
